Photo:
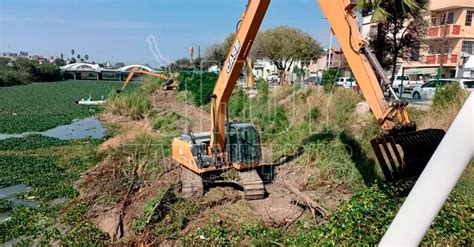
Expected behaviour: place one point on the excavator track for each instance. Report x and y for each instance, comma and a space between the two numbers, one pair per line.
252, 184
191, 184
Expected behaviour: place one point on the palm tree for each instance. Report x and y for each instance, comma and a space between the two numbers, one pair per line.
380, 8
86, 57
72, 52
78, 56
61, 56
394, 18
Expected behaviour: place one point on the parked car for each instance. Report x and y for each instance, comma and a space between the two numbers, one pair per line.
428, 90
273, 78
313, 80
408, 85
346, 82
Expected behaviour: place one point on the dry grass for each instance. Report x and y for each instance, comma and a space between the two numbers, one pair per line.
446, 105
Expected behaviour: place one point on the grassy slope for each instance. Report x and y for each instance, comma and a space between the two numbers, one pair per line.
38, 107
367, 215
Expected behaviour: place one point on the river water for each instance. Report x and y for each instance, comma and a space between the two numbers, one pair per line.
89, 127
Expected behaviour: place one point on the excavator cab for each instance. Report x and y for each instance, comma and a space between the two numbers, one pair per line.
243, 144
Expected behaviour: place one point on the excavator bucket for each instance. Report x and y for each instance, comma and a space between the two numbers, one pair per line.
406, 155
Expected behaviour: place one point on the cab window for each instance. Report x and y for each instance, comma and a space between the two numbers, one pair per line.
469, 84
429, 84
249, 146
405, 78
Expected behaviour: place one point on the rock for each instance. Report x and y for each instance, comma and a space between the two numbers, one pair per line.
362, 108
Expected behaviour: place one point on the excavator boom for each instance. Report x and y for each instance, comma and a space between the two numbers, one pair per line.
400, 149
136, 70
249, 25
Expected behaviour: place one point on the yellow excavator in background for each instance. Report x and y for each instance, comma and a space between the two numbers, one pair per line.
249, 76
171, 84
400, 149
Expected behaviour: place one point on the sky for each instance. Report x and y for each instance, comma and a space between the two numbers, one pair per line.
121, 30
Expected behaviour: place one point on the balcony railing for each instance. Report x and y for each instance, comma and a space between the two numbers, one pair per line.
441, 31
447, 59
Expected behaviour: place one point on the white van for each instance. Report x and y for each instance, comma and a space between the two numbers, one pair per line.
346, 82
408, 85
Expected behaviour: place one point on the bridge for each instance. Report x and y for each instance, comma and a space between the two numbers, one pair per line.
97, 72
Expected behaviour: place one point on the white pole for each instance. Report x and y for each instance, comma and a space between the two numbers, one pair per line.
330, 49
435, 183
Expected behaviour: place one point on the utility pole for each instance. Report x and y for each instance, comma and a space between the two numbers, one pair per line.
330, 49
444, 48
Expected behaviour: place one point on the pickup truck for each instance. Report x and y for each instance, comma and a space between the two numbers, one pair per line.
408, 85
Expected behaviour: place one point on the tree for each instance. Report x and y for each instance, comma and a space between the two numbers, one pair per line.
182, 64
284, 46
400, 29
59, 62
62, 56
217, 53
86, 57
72, 52
78, 56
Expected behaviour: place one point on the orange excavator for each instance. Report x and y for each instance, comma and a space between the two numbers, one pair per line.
400, 149
171, 84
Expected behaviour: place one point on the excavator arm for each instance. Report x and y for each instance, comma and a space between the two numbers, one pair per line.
400, 149
136, 70
249, 25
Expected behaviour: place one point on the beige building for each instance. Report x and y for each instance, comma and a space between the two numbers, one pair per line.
449, 41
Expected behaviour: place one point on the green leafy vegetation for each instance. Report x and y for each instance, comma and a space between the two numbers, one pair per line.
29, 142
446, 96
151, 84
166, 123
200, 85
5, 205
27, 221
44, 174
82, 231
367, 215
39, 107
166, 214
329, 79
135, 104
24, 71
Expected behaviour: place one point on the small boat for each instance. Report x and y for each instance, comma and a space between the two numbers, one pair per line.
90, 101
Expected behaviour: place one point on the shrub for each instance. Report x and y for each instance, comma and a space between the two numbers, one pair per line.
237, 103
9, 77
314, 114
25, 71
201, 85
263, 90
167, 122
446, 105
451, 94
329, 79
135, 104
152, 84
